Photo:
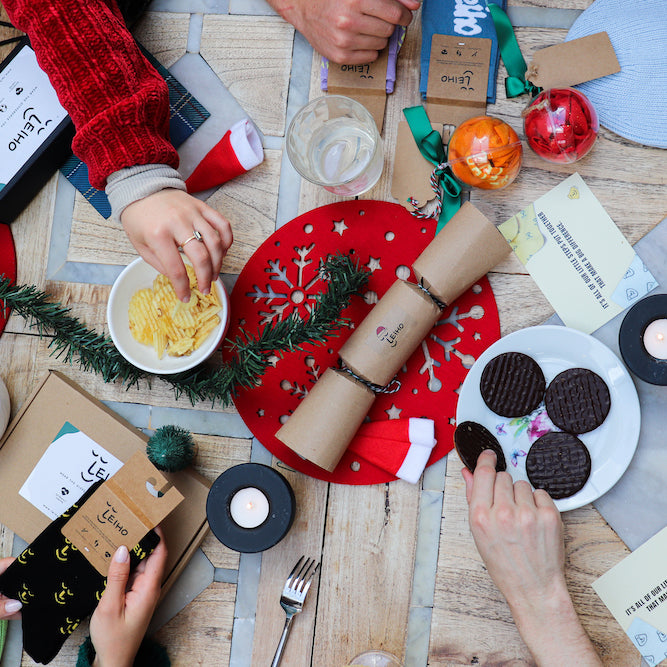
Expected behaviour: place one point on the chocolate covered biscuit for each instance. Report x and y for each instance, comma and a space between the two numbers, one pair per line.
512, 384
577, 400
471, 439
559, 463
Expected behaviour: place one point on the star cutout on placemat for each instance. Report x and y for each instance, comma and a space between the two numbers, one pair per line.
339, 226
373, 264
393, 412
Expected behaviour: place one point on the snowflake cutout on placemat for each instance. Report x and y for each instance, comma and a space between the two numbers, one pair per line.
283, 277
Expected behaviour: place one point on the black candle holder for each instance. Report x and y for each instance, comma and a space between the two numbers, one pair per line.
281, 507
630, 339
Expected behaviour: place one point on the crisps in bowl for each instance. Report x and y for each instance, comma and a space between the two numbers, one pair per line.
158, 318
157, 332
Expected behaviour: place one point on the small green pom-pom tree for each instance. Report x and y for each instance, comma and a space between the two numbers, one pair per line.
171, 448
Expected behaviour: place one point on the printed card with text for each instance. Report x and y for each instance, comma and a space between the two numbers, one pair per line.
577, 256
72, 463
635, 591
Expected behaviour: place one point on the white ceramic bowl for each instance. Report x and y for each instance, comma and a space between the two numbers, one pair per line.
137, 275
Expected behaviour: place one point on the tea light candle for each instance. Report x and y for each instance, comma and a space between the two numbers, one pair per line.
642, 339
249, 507
655, 339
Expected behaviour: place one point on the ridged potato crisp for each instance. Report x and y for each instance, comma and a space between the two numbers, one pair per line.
158, 318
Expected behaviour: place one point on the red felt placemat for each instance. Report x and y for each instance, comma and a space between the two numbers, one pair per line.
7, 267
282, 276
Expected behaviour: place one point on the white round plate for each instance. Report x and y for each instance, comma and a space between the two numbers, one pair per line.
556, 348
135, 276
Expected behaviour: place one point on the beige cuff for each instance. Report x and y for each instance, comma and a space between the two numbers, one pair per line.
130, 184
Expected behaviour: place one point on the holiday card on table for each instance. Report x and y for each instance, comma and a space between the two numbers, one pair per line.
635, 591
577, 256
61, 443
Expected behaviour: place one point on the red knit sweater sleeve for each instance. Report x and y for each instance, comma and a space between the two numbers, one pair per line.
118, 102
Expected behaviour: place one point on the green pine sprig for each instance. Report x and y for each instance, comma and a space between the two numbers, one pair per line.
72, 340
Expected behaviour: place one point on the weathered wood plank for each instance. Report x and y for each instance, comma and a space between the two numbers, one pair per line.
19, 370
95, 239
252, 56
304, 539
215, 455
368, 561
551, 4
201, 634
164, 35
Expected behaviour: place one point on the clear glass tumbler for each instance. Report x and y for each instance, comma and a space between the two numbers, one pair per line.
333, 142
376, 659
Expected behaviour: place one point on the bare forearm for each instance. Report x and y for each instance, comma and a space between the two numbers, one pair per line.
553, 632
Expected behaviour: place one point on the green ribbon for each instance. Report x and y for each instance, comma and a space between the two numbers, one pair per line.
429, 142
516, 83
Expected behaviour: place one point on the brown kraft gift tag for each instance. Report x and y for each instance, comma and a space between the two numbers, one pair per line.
129, 504
458, 77
573, 62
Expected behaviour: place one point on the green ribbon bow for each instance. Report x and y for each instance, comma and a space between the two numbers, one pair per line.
447, 189
516, 83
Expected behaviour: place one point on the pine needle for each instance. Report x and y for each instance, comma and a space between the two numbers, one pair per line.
73, 342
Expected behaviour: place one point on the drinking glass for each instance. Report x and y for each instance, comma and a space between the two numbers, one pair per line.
376, 659
333, 142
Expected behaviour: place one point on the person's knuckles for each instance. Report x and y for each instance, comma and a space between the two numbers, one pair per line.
551, 518
504, 478
526, 518
480, 518
505, 517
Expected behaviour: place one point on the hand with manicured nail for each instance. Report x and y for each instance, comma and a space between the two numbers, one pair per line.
8, 608
119, 623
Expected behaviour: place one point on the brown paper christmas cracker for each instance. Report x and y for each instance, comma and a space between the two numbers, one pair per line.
327, 419
387, 337
465, 249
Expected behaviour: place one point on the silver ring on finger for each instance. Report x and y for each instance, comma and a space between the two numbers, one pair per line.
196, 236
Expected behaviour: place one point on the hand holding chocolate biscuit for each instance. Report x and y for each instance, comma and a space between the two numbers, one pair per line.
519, 535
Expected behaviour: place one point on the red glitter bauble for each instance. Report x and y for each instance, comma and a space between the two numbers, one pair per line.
561, 125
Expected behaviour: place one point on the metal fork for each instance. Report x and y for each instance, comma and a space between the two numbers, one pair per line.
294, 593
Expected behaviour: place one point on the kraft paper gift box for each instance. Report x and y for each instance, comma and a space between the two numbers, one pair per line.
57, 402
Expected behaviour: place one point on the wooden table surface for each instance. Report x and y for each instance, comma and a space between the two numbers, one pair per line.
370, 539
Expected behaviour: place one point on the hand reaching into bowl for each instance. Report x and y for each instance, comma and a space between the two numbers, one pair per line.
162, 222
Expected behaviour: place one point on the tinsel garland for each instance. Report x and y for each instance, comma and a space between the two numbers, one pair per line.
95, 352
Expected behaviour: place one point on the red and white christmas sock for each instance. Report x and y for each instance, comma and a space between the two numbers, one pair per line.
399, 446
239, 150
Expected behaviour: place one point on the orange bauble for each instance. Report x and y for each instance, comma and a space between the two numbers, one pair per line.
485, 152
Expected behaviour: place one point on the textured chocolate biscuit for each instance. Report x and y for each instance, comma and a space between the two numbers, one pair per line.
471, 439
559, 463
512, 384
577, 400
